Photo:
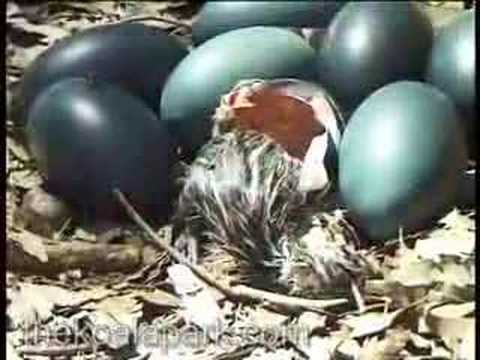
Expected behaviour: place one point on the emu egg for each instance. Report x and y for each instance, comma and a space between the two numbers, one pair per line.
370, 44
135, 56
217, 17
89, 137
401, 158
193, 91
452, 66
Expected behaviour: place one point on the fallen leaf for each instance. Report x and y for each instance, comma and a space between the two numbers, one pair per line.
198, 301
42, 213
347, 348
442, 15
371, 323
31, 304
455, 238
277, 354
28, 243
467, 346
453, 323
312, 321
367, 324
110, 331
17, 149
84, 235
420, 343
454, 271
47, 34
25, 179
266, 319
385, 349
11, 353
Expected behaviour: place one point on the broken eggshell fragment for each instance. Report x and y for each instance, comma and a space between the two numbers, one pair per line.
299, 115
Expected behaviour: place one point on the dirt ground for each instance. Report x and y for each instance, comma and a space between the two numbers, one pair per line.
80, 293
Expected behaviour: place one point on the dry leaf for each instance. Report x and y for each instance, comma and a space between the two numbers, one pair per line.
25, 179
17, 149
266, 319
312, 321
31, 304
278, 354
25, 243
467, 346
11, 353
124, 309
84, 235
453, 271
455, 238
10, 207
454, 324
442, 15
115, 334
42, 213
420, 343
46, 33
411, 271
371, 323
367, 324
388, 348
348, 349
198, 301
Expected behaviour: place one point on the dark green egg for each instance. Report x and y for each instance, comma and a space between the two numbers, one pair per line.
194, 89
89, 137
452, 65
134, 56
217, 17
401, 158
370, 44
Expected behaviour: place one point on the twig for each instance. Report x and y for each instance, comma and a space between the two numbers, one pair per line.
53, 257
357, 295
292, 302
237, 293
395, 242
158, 18
52, 351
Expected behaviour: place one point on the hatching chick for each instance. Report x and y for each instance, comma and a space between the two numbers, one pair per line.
240, 199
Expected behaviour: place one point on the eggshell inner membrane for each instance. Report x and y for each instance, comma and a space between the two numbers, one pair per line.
289, 120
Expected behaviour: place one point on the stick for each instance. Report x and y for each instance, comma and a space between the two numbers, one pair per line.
237, 293
154, 18
291, 302
51, 351
63, 256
